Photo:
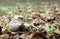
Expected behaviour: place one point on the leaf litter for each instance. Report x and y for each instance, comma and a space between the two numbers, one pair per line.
30, 21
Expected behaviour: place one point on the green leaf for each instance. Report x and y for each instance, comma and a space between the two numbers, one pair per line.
8, 8
3, 8
7, 28
25, 27
48, 30
33, 28
45, 15
28, 7
24, 16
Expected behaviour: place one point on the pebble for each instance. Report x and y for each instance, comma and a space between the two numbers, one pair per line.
15, 24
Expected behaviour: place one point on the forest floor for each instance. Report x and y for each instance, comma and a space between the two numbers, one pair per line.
39, 20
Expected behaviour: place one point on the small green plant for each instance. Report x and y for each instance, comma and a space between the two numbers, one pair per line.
20, 2
30, 27
28, 7
7, 28
24, 16
33, 28
48, 30
25, 27
45, 15
8, 8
